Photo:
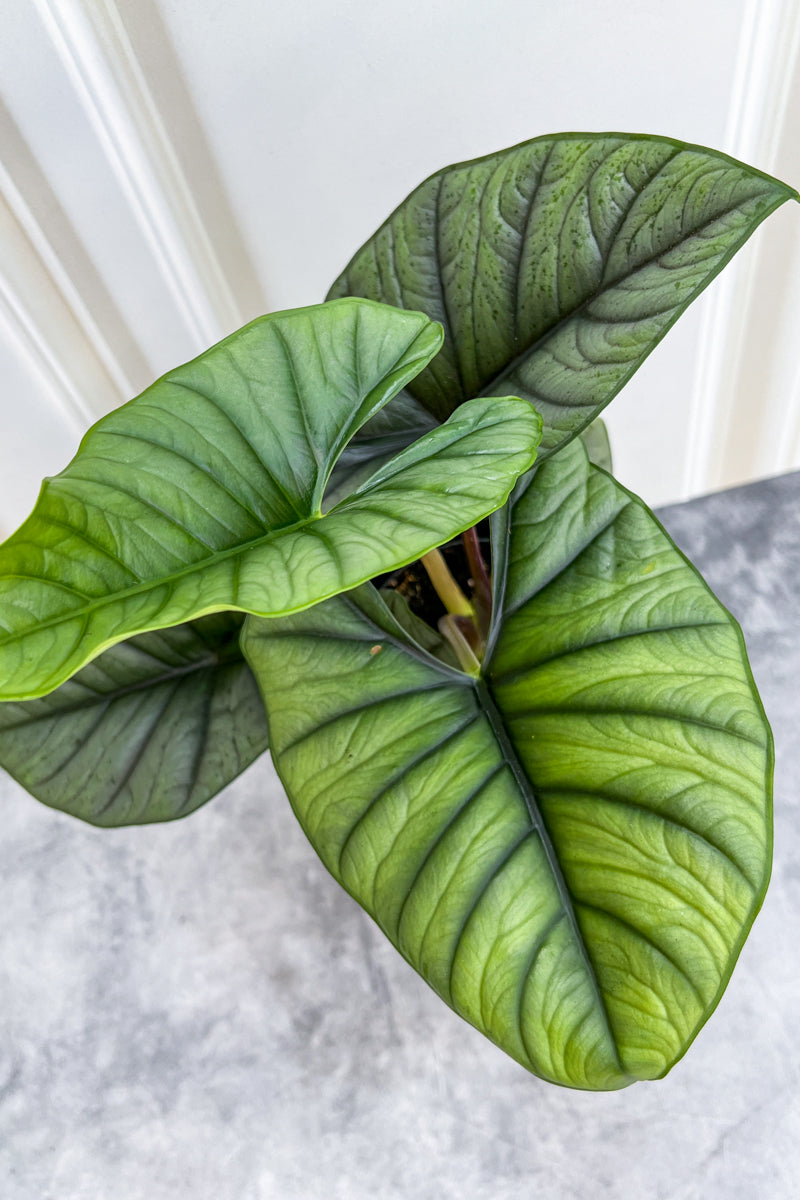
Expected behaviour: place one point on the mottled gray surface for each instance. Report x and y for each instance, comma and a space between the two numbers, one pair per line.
197, 1012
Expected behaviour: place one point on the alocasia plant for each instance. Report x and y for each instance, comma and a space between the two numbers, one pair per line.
538, 760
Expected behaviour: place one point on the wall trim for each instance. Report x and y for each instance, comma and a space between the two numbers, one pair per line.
769, 51
60, 281
90, 39
62, 344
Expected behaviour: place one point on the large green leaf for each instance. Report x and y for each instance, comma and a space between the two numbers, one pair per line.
555, 267
203, 494
149, 731
570, 848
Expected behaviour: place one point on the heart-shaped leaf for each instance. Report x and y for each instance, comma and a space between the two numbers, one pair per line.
149, 731
203, 494
571, 847
555, 267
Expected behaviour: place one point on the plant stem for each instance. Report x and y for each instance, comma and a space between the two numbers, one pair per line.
480, 579
450, 630
445, 585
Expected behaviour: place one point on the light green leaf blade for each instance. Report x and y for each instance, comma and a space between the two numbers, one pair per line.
149, 731
570, 849
203, 494
598, 445
556, 266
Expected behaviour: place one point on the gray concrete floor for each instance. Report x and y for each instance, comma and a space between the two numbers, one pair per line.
197, 1012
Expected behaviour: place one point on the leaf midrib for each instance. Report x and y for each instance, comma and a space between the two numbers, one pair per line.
162, 581
373, 484
487, 705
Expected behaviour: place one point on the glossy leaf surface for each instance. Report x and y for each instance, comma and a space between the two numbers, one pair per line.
571, 848
204, 493
149, 731
556, 266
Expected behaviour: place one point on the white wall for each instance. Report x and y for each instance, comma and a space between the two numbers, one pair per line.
171, 169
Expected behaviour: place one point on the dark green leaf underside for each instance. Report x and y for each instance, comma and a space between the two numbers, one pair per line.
149, 731
571, 849
556, 266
